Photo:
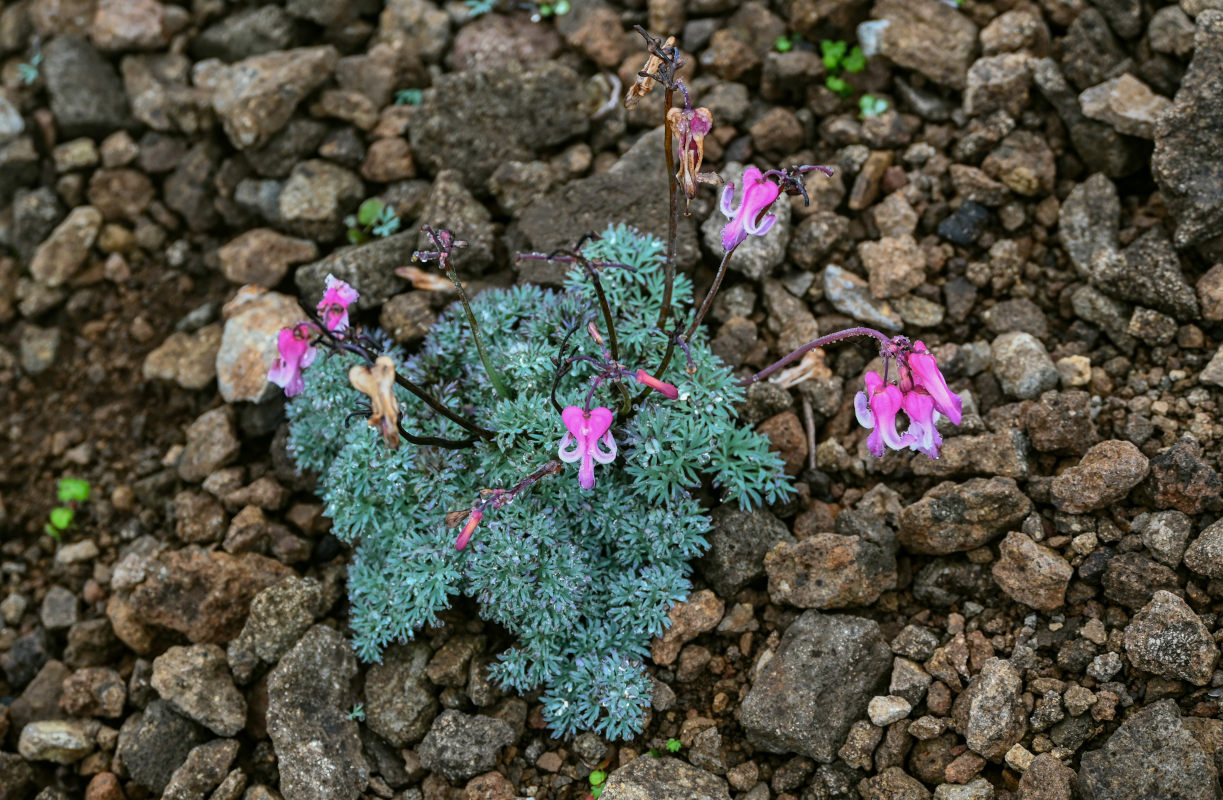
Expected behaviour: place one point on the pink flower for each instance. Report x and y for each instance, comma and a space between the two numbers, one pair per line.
758, 195
923, 436
586, 431
877, 408
333, 308
473, 521
668, 391
928, 380
296, 352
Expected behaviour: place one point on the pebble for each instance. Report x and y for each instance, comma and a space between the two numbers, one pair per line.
1127, 104
196, 681
1181, 479
1131, 578
1024, 163
253, 320
817, 683
408, 317
449, 206
94, 692
86, 95
977, 789
883, 711
896, 265
955, 517
1164, 534
1152, 754
651, 778
928, 37
66, 249
1167, 638
1032, 574
700, 613
1022, 365
1061, 422
738, 544
212, 442
60, 609
851, 295
1106, 473
1170, 31
58, 741
460, 746
263, 256
188, 359
998, 82
996, 718
309, 695
316, 197
1205, 555
279, 616
155, 742
830, 570
966, 224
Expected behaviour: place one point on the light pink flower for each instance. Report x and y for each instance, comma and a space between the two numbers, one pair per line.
296, 352
333, 308
668, 390
923, 436
586, 431
758, 194
876, 408
928, 380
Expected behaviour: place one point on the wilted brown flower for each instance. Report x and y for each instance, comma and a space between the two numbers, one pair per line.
378, 384
690, 126
645, 78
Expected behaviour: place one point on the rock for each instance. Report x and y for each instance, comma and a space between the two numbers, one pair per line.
369, 268
388, 160
38, 348
1152, 327
94, 692
1127, 104
831, 570
850, 295
16, 777
1171, 32
1152, 277
738, 544
1091, 52
413, 26
1164, 534
204, 595
212, 442
62, 742
1106, 473
1060, 422
976, 789
1188, 139
955, 517
928, 37
1180, 479
1023, 163
647, 778
817, 683
883, 711
786, 437
263, 257
35, 215
309, 694
700, 613
206, 766
86, 95
1046, 778
65, 251
896, 265
400, 704
154, 743
11, 123
495, 41
1131, 579
966, 225
129, 25
256, 96
1205, 555
475, 120
196, 681
1168, 639
1109, 315
893, 783
996, 716
279, 616
188, 359
253, 320
316, 198
245, 33
407, 317
1031, 573
1022, 365
996, 83
460, 746
632, 191
1152, 754
59, 609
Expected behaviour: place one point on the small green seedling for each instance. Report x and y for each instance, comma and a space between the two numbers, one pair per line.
673, 745
597, 779
409, 97
71, 493
558, 9
839, 57
785, 44
373, 218
357, 713
872, 106
28, 72
476, 8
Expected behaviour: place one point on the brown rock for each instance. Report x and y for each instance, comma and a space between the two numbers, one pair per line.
594, 29
407, 317
263, 256
62, 253
1032, 574
955, 517
388, 160
104, 786
896, 265
828, 570
700, 613
94, 692
786, 436
188, 359
120, 194
1046, 778
129, 25
1181, 479
728, 56
489, 786
929, 37
1024, 163
778, 133
211, 444
1106, 473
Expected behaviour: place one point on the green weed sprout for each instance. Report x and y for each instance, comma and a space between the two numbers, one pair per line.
597, 779
871, 106
785, 44
71, 493
373, 217
27, 72
840, 58
357, 713
409, 97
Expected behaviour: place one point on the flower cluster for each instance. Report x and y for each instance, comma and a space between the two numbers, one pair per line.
921, 393
295, 351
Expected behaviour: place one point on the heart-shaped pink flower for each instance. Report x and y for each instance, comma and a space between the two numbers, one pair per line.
586, 432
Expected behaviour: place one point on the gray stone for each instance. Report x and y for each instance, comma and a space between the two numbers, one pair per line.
929, 37
1106, 473
155, 742
1132, 578
206, 766
648, 778
11, 123
86, 94
60, 609
1205, 555
38, 348
212, 442
851, 295
1152, 754
997, 718
1188, 140
1165, 637
851, 567
369, 268
310, 693
58, 741
738, 544
955, 517
67, 248
16, 777
1032, 574
473, 120
316, 198
399, 699
460, 746
1022, 365
817, 683
196, 681
1164, 534
1127, 104
451, 207
245, 33
1109, 315
279, 616
893, 783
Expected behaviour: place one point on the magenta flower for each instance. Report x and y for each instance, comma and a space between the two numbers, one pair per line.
333, 308
296, 352
758, 194
668, 390
877, 408
928, 380
586, 431
473, 521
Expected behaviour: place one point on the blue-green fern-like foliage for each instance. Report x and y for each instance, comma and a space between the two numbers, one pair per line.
584, 579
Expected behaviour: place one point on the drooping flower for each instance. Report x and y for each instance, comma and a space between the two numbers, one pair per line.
876, 408
749, 218
586, 432
690, 126
473, 521
923, 436
296, 353
668, 390
333, 308
924, 371
378, 384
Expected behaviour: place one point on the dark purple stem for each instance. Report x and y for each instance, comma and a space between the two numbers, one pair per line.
809, 346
